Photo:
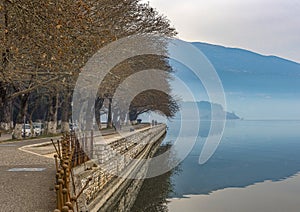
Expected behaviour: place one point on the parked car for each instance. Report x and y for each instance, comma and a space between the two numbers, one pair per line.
27, 130
38, 128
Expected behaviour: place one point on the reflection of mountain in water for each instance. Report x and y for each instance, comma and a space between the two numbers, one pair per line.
250, 152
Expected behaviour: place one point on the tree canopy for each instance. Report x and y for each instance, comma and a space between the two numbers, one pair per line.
45, 43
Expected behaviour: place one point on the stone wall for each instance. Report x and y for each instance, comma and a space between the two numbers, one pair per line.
114, 157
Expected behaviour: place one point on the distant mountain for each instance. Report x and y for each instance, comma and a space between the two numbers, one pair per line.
248, 72
256, 86
206, 107
232, 116
242, 70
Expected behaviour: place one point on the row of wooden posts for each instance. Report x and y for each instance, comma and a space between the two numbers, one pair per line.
69, 153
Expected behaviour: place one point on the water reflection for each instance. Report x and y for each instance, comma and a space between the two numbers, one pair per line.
155, 191
125, 198
251, 152
264, 197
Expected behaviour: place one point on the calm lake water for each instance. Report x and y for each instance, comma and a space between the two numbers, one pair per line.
255, 168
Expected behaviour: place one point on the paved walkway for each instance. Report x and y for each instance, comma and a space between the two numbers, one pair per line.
27, 174
22, 190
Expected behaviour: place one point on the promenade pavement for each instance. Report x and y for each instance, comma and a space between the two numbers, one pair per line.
26, 190
27, 173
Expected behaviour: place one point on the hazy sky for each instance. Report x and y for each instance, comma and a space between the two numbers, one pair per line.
270, 27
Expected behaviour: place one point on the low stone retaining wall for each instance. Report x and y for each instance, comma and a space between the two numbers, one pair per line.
114, 157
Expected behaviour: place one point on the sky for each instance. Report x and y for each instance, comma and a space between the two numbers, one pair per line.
269, 27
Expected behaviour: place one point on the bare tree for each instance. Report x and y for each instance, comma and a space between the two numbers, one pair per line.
44, 44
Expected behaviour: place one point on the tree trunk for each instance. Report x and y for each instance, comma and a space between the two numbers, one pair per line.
89, 115
5, 107
51, 127
31, 127
109, 115
98, 106
115, 116
52, 118
98, 119
17, 133
5, 116
122, 118
65, 112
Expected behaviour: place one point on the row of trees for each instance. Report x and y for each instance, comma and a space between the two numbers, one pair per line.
44, 45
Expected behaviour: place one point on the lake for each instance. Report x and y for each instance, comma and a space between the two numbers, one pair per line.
255, 168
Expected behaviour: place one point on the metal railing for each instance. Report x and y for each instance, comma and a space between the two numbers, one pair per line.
69, 154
